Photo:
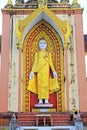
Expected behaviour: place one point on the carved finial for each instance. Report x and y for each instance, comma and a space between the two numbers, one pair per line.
42, 3
9, 2
19, 1
64, 1
75, 2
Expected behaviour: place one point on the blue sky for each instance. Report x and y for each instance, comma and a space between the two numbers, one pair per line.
83, 4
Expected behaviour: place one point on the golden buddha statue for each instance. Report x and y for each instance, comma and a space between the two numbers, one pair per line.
43, 77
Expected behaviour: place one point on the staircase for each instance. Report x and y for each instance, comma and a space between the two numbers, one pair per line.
26, 119
44, 119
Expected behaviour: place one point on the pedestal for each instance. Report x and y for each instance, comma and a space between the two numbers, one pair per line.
43, 108
43, 105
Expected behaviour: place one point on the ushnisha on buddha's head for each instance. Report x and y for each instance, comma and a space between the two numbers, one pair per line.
42, 44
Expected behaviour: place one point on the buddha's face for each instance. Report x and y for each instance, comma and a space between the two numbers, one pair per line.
42, 44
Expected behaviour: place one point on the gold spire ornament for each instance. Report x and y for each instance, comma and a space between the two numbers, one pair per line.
42, 3
9, 2
75, 2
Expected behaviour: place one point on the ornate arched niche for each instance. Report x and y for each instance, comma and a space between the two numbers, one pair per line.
43, 29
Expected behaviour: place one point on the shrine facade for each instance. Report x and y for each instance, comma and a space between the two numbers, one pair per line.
24, 24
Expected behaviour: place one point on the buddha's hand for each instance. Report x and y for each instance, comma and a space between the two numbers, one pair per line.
55, 74
31, 75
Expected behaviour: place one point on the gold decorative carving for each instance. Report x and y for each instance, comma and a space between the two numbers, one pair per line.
42, 3
63, 26
75, 2
9, 2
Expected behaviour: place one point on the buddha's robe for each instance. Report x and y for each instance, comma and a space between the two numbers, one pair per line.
43, 82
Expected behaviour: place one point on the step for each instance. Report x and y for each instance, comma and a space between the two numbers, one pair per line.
43, 119
48, 128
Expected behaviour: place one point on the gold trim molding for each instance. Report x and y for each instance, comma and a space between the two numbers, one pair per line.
62, 26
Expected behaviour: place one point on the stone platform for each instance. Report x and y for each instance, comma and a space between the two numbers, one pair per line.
49, 128
43, 110
43, 119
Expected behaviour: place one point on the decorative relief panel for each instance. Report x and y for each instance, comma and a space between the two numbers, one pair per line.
72, 69
13, 67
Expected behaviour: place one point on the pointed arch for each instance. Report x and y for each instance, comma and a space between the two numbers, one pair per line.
43, 29
61, 27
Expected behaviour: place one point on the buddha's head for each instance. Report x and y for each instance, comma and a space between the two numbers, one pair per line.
42, 44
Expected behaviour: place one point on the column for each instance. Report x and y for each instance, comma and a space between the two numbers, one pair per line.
5, 63
82, 83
